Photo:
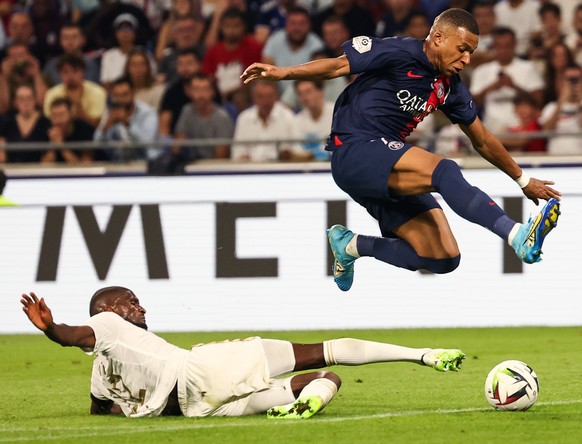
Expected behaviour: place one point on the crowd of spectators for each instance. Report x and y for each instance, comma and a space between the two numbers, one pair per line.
164, 71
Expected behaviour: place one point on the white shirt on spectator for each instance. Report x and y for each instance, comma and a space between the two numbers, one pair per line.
112, 65
314, 132
523, 20
499, 110
568, 122
250, 127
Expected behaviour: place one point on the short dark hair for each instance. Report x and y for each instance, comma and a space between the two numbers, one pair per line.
298, 10
336, 19
61, 101
69, 25
527, 99
124, 80
552, 8
2, 181
189, 51
72, 60
102, 297
233, 13
319, 84
459, 18
501, 31
202, 76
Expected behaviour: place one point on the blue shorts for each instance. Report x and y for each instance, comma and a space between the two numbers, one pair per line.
361, 169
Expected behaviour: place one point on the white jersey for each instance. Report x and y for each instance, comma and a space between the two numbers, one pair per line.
134, 368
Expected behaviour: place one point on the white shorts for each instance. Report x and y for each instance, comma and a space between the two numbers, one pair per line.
217, 378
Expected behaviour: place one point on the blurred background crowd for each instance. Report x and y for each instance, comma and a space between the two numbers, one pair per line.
166, 73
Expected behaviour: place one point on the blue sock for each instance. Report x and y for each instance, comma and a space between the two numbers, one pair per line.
398, 252
468, 201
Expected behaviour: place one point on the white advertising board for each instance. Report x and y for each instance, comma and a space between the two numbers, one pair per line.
249, 252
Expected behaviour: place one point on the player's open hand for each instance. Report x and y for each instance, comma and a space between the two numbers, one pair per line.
37, 311
262, 71
539, 189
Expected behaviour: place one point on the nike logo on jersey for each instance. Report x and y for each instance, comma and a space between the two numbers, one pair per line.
413, 76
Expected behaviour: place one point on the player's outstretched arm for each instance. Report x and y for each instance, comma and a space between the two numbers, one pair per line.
316, 69
40, 315
492, 150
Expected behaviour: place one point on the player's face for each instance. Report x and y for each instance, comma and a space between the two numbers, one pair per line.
126, 305
454, 47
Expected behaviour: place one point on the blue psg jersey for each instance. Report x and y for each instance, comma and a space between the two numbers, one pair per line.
395, 89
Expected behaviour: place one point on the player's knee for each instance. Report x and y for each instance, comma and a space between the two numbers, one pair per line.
441, 266
444, 169
333, 377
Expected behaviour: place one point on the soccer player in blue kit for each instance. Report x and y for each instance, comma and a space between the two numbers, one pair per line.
399, 82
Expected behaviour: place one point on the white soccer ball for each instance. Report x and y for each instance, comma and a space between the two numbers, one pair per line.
512, 386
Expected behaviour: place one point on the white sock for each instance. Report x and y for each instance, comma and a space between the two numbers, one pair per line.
352, 247
322, 387
348, 351
512, 234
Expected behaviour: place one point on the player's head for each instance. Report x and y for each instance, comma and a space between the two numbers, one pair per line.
453, 37
121, 301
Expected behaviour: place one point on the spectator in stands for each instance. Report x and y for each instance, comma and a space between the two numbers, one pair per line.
187, 34
565, 115
21, 30
175, 96
267, 120
574, 38
99, 28
72, 41
88, 98
293, 45
65, 128
485, 17
313, 122
528, 111
203, 119
271, 17
549, 34
27, 124
18, 68
114, 59
522, 17
47, 21
138, 69
358, 19
6, 11
226, 60
395, 18
179, 9
559, 57
334, 33
494, 85
417, 26
127, 120
213, 34
3, 201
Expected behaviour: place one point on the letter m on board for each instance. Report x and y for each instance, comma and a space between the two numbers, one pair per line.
102, 245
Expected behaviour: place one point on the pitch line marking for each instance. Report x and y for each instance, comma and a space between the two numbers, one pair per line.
99, 431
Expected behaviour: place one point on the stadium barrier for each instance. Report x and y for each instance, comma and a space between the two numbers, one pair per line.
247, 251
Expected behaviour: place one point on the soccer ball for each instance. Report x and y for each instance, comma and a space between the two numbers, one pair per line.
512, 386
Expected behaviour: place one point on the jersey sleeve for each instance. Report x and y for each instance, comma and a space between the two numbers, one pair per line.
459, 106
106, 328
370, 53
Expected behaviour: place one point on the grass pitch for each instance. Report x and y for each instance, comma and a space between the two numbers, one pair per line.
45, 395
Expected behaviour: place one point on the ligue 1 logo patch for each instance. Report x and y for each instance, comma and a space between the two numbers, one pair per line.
362, 44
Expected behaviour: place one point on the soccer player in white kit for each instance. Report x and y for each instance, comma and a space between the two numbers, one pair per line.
139, 374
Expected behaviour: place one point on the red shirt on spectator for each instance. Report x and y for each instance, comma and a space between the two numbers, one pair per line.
532, 145
227, 66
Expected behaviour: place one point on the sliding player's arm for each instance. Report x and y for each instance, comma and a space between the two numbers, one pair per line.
317, 69
68, 336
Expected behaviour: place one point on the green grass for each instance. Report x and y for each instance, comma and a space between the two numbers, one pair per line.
44, 395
